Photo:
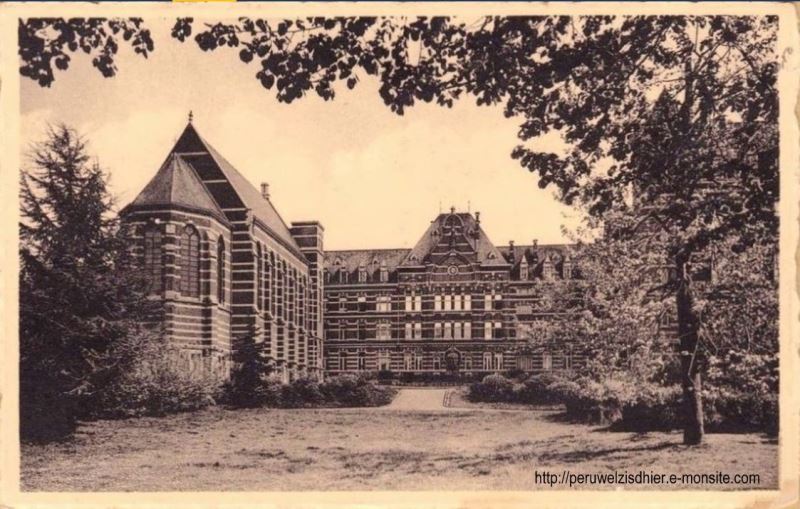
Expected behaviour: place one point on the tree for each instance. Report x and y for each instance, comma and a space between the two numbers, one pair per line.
249, 385
704, 155
79, 295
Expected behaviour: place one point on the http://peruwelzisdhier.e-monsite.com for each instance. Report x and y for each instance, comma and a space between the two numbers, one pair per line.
639, 478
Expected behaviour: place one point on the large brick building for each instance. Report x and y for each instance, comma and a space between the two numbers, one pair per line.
226, 265
454, 302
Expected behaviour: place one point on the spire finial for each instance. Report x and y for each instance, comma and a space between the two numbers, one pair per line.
191, 116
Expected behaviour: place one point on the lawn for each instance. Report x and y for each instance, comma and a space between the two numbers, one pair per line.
352, 449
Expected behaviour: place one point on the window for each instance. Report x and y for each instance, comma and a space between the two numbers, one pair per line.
467, 330
487, 361
221, 271
547, 269
497, 361
409, 302
153, 264
468, 362
362, 361
567, 269
342, 361
487, 301
448, 302
498, 331
456, 302
409, 331
342, 331
383, 331
343, 275
384, 274
437, 302
362, 303
437, 330
342, 303
384, 361
487, 330
437, 362
523, 270
448, 330
408, 361
418, 303
467, 302
457, 330
189, 284
384, 303
547, 361
418, 330
259, 261
362, 274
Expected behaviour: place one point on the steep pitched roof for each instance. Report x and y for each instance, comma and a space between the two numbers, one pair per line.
471, 233
176, 184
351, 260
197, 149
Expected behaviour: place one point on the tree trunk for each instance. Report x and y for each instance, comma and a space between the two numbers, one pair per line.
688, 326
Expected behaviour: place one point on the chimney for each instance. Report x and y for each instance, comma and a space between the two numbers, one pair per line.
535, 243
265, 190
477, 217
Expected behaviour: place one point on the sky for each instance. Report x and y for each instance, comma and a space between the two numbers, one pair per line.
372, 178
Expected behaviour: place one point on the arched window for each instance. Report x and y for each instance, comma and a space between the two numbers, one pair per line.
153, 265
221, 271
190, 262
259, 276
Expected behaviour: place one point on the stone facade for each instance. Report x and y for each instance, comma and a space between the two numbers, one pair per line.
454, 302
226, 265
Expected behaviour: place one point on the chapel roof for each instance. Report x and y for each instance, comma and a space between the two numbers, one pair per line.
176, 184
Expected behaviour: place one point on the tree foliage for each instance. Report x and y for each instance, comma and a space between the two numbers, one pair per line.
47, 43
80, 296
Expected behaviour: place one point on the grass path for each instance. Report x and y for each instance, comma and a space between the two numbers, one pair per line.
352, 449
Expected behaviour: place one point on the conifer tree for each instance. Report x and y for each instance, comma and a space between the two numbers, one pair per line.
79, 297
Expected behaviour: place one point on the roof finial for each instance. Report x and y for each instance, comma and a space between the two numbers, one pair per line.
452, 210
191, 116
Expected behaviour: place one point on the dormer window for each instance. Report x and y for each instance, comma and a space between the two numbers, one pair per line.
548, 271
384, 274
362, 274
523, 269
567, 269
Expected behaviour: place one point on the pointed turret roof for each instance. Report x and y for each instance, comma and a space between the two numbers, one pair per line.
202, 155
176, 184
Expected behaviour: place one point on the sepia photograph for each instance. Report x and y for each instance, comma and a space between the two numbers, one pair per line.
456, 248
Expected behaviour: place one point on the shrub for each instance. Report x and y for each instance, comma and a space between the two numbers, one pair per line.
493, 388
652, 407
385, 375
741, 392
157, 387
354, 391
301, 392
536, 389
